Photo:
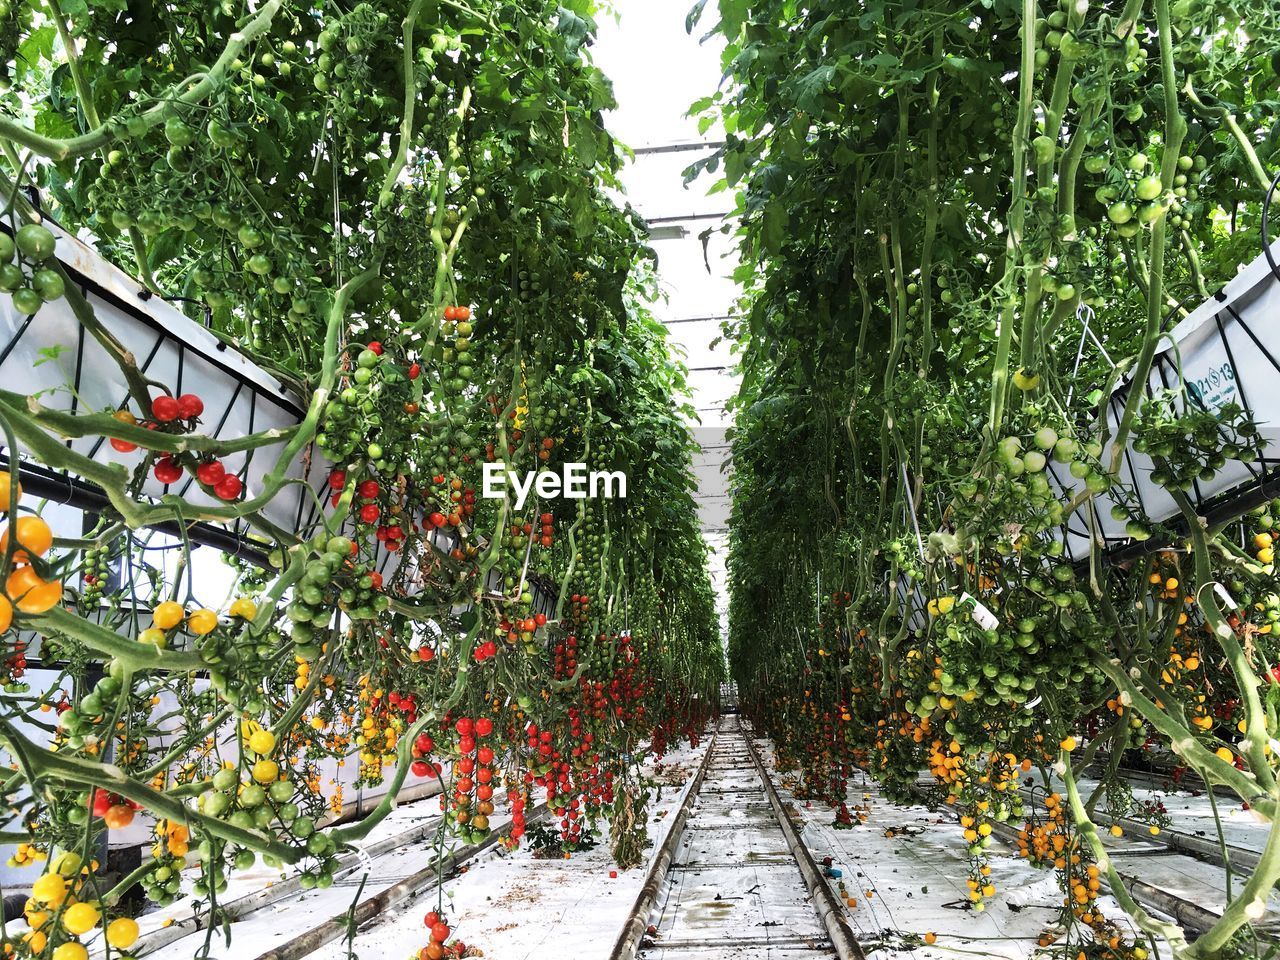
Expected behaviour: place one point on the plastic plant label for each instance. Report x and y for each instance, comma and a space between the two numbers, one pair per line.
981, 615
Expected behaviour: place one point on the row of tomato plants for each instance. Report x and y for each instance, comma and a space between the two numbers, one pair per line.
935, 200
403, 211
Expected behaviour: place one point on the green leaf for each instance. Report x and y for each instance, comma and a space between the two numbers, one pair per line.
36, 48
168, 245
49, 353
774, 226
694, 16
812, 87
572, 27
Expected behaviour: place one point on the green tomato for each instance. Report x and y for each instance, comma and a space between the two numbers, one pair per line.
223, 218
250, 236
35, 241
7, 248
1045, 438
1096, 163
1149, 212
1148, 188
252, 796
48, 284
1138, 162
1120, 212
216, 804
260, 264
178, 133
26, 300
11, 277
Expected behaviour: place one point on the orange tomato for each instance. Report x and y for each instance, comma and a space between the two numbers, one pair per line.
6, 614
118, 816
6, 490
29, 593
33, 534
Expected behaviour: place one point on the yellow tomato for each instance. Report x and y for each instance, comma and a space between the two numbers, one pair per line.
50, 888
80, 918
1068, 744
167, 615
70, 951
262, 742
122, 933
202, 621
266, 771
244, 608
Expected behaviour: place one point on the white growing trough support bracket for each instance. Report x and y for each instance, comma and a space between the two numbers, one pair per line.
50, 355
1227, 350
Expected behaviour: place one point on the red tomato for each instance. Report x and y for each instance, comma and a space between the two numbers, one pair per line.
210, 472
229, 487
167, 470
165, 408
190, 406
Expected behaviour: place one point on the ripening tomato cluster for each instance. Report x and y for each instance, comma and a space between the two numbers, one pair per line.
678, 719
517, 799
579, 608
117, 812
622, 697
405, 703
440, 932
565, 657
15, 664
452, 496
486, 650
421, 750
523, 628
175, 415
576, 786
471, 804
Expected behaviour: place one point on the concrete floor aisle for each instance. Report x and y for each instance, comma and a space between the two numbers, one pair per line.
734, 889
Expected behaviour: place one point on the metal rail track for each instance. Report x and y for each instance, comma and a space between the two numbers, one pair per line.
733, 878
